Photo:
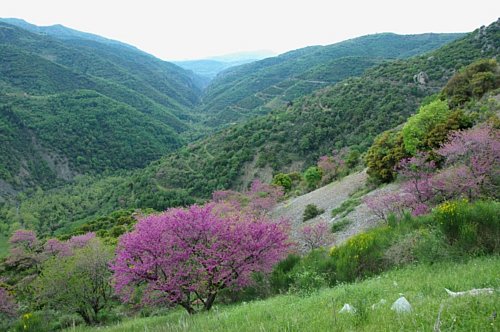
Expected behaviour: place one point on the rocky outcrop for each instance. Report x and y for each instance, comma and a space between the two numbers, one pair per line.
421, 78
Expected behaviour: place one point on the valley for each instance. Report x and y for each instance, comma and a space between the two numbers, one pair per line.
138, 194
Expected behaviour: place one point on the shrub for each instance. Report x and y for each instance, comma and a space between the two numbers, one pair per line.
314, 236
384, 154
311, 211
362, 255
340, 225
319, 262
281, 278
419, 125
38, 321
313, 176
283, 180
305, 282
474, 227
346, 207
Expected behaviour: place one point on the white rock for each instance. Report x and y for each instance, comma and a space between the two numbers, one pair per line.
347, 308
378, 304
401, 305
472, 292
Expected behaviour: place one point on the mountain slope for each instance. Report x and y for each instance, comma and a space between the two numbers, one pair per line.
77, 106
351, 113
256, 88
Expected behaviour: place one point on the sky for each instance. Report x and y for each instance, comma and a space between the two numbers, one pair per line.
194, 29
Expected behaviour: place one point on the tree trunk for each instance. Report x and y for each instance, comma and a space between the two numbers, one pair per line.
86, 317
188, 308
210, 301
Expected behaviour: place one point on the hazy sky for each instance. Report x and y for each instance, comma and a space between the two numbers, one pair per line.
181, 29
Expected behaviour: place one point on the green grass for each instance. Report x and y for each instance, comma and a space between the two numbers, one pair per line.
422, 285
340, 225
346, 207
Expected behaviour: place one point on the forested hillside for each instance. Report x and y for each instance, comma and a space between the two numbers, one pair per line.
254, 89
350, 113
76, 105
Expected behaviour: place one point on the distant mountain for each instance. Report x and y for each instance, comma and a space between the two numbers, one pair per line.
83, 105
61, 32
210, 67
256, 88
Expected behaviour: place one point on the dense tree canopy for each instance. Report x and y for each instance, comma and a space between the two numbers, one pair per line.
187, 256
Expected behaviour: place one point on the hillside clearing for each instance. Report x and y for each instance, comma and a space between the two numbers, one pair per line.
331, 197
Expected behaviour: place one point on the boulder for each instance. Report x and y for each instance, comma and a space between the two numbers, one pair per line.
401, 305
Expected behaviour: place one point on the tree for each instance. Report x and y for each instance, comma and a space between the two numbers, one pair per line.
475, 155
283, 180
313, 176
419, 125
417, 172
332, 166
78, 282
383, 156
315, 236
8, 307
472, 81
187, 256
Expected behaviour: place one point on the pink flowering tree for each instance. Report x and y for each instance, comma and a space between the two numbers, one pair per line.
386, 203
263, 197
187, 256
332, 165
24, 250
315, 236
473, 158
258, 200
417, 173
8, 307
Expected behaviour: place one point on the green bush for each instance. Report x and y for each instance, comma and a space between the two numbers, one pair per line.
281, 279
306, 282
362, 255
340, 225
346, 207
473, 227
384, 154
38, 321
283, 180
65, 321
311, 211
313, 176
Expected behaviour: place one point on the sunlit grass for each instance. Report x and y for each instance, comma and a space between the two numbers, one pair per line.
423, 286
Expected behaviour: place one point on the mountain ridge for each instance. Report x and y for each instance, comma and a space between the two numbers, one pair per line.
256, 88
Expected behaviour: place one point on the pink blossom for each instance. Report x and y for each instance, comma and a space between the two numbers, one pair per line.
80, 241
187, 255
24, 238
315, 236
8, 306
477, 149
54, 247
